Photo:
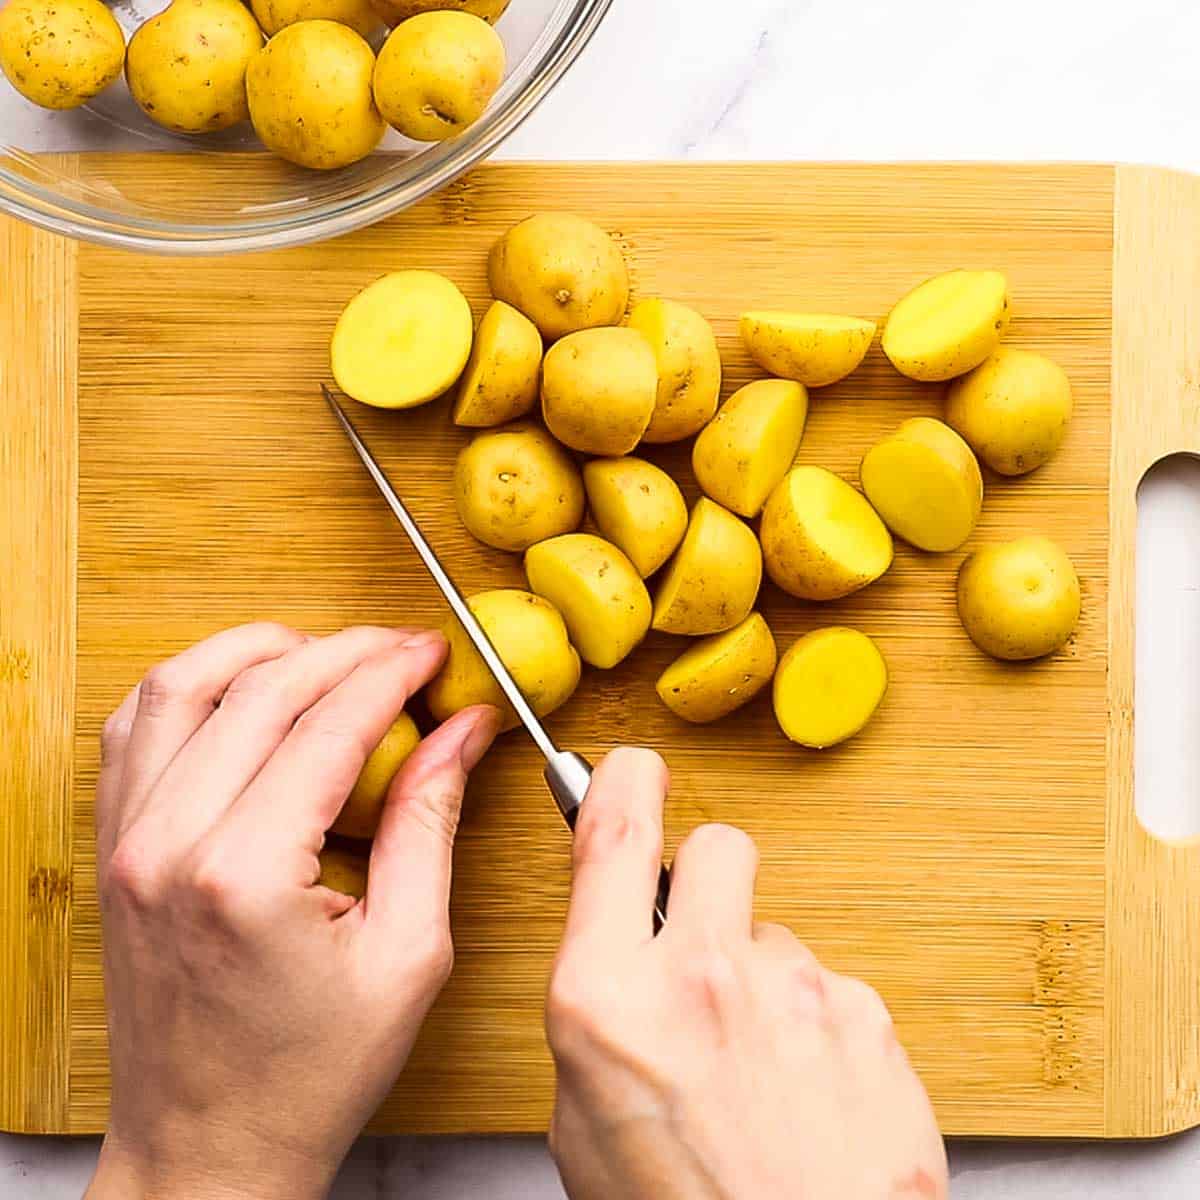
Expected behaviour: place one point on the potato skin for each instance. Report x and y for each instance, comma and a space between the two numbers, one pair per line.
436, 74
713, 580
638, 507
274, 15
598, 390
689, 368
742, 454
322, 127
813, 349
531, 639
1020, 599
360, 814
343, 871
500, 382
515, 486
1012, 409
720, 673
60, 55
562, 272
598, 591
392, 12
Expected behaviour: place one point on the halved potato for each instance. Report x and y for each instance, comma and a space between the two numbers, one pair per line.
815, 349
947, 325
828, 686
598, 591
638, 507
720, 673
689, 368
713, 580
360, 814
924, 482
821, 539
403, 340
749, 446
501, 379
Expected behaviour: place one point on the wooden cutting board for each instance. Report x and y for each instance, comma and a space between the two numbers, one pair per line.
167, 469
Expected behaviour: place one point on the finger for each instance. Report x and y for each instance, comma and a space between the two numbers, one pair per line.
114, 746
179, 695
712, 883
408, 878
300, 791
618, 850
256, 713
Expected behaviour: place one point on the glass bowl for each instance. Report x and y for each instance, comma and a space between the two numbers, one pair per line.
230, 195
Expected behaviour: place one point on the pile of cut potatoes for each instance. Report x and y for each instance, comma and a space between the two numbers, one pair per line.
557, 342
303, 72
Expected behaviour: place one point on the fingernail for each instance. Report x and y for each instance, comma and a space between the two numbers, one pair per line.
418, 641
476, 744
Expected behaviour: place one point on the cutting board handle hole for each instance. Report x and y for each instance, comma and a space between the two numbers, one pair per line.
1167, 688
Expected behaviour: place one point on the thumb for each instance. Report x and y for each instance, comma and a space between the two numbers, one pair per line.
408, 880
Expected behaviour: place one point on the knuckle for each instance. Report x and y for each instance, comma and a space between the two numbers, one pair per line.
337, 740
570, 1007
213, 880
133, 874
603, 833
712, 977
254, 684
164, 685
863, 1003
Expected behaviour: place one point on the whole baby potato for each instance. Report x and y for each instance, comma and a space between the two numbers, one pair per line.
719, 673
814, 349
60, 55
713, 580
516, 486
751, 444
924, 482
500, 382
273, 15
821, 540
1012, 409
186, 67
689, 368
309, 91
360, 814
598, 390
531, 639
394, 11
638, 507
947, 325
343, 871
562, 272
1019, 599
437, 73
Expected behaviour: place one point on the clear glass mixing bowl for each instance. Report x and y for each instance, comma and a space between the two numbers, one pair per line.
247, 199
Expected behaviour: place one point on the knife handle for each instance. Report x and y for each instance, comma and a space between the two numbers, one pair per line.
568, 776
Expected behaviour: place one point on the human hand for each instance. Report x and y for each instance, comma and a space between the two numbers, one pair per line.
718, 1060
256, 1019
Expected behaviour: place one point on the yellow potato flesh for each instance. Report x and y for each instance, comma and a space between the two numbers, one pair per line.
947, 325
689, 368
343, 871
531, 638
500, 382
924, 482
1019, 600
1013, 409
598, 591
719, 673
436, 74
821, 540
749, 446
60, 55
360, 815
516, 486
713, 580
814, 349
274, 15
598, 390
395, 11
828, 686
562, 272
638, 507
403, 340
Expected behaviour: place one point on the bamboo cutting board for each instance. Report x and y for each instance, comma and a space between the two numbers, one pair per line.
167, 469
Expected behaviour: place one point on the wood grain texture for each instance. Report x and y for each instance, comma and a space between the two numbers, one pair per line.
38, 310
957, 854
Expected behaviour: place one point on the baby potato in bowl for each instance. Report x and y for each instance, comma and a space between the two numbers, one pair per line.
392, 12
274, 15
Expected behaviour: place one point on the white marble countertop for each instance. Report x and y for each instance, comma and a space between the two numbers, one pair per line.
879, 79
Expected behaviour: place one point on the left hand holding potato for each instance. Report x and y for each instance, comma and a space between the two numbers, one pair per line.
256, 1019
